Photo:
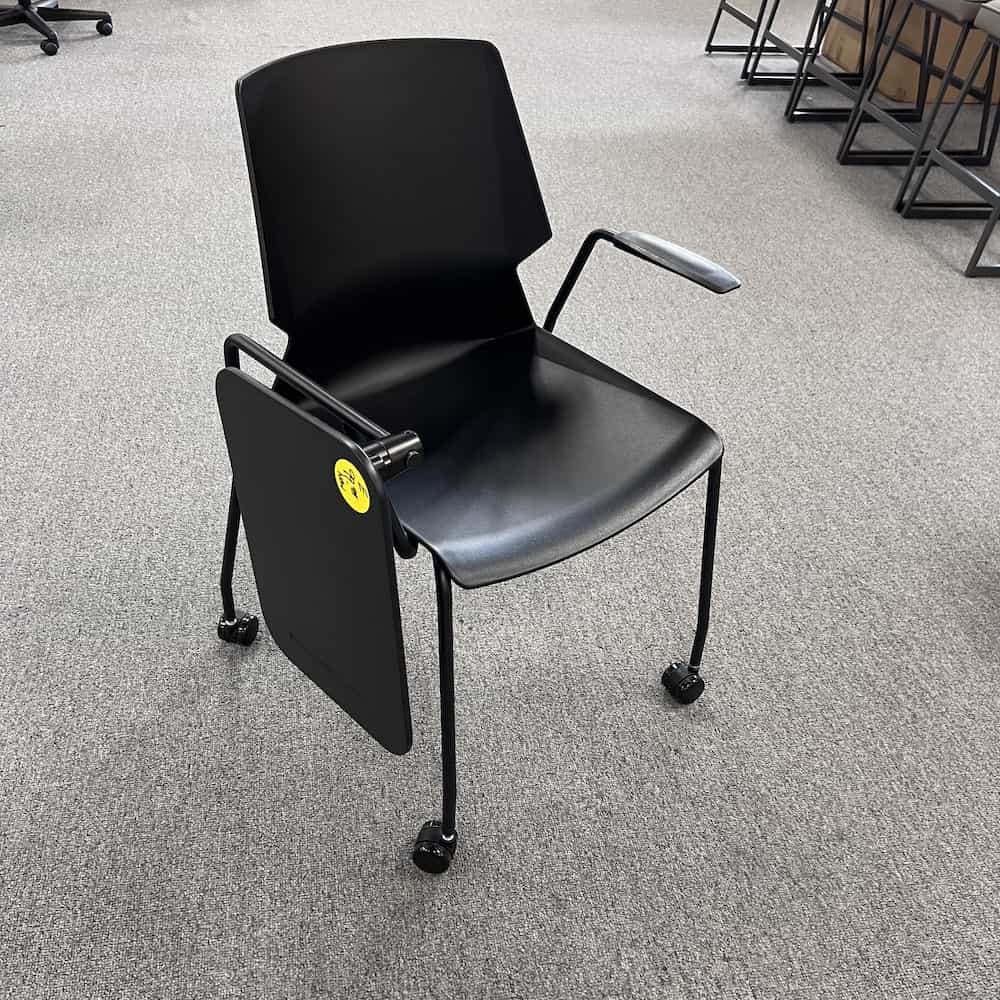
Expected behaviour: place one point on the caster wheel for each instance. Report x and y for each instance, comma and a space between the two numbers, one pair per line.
105, 27
433, 852
683, 682
49, 47
242, 631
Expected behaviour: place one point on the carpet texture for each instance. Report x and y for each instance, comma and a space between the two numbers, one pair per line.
184, 819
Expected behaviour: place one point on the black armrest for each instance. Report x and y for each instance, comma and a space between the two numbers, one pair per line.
686, 263
669, 256
390, 454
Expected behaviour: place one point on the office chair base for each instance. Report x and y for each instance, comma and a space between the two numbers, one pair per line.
28, 12
433, 852
241, 630
683, 682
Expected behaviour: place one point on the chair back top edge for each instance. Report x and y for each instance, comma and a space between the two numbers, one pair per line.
391, 180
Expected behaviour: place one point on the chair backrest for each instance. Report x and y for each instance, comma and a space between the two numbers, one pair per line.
394, 193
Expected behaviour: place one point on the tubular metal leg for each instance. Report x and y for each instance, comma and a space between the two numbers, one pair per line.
751, 66
683, 680
707, 561
741, 16
446, 655
822, 18
870, 84
715, 26
974, 268
923, 144
234, 626
985, 145
755, 40
905, 202
991, 145
229, 557
437, 840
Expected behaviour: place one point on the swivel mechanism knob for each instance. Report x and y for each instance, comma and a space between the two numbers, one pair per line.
433, 852
242, 630
683, 682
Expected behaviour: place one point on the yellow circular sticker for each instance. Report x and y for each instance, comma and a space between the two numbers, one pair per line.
352, 486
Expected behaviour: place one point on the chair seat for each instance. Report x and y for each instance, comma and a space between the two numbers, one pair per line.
534, 451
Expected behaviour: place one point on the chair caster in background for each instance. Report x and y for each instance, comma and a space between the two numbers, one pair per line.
241, 630
105, 27
49, 47
433, 852
683, 682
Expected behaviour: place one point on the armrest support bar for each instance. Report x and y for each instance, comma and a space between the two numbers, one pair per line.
389, 453
286, 373
669, 256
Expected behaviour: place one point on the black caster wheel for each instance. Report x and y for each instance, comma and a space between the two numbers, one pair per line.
49, 47
242, 630
683, 682
105, 27
433, 852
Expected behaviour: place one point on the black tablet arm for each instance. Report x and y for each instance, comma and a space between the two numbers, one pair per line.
669, 256
389, 453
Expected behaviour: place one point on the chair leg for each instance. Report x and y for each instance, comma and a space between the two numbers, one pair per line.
923, 143
13, 16
991, 144
437, 841
927, 50
683, 680
983, 149
715, 26
707, 561
754, 37
31, 17
869, 83
752, 63
974, 268
905, 197
67, 14
809, 51
234, 626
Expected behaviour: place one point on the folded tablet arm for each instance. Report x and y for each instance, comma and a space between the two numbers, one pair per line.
389, 453
669, 256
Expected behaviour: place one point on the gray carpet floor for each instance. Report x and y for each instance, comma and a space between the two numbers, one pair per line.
183, 819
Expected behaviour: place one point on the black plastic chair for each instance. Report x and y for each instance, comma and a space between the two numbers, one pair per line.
395, 199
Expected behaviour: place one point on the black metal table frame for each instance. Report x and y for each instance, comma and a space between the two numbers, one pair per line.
809, 70
755, 77
866, 109
935, 155
845, 82
725, 7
